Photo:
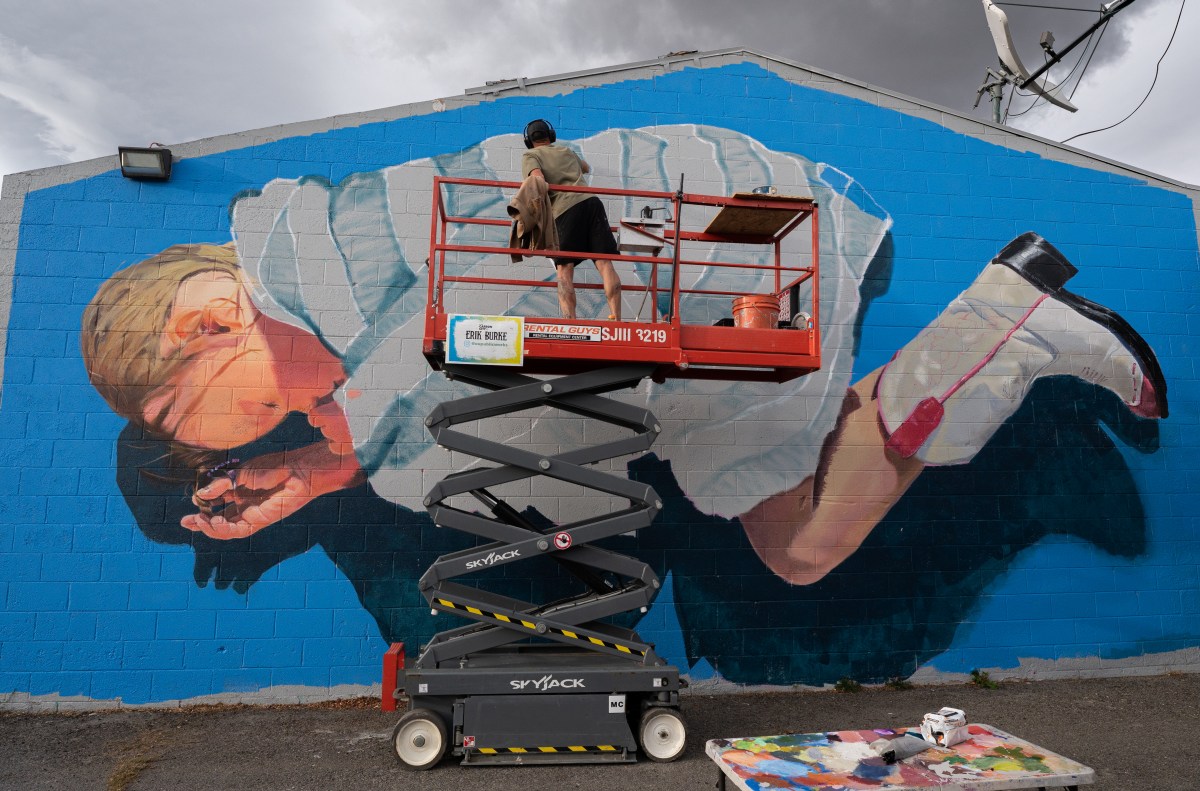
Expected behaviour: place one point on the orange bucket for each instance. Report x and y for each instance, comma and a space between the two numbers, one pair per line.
757, 311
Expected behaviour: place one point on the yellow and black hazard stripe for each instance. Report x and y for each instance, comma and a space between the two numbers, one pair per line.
574, 748
624, 649
502, 618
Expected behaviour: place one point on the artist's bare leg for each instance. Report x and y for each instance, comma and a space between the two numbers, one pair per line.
805, 532
566, 289
612, 288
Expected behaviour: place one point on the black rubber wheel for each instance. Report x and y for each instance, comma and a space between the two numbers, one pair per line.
662, 734
420, 740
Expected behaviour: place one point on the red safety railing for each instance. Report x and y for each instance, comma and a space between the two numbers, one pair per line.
684, 349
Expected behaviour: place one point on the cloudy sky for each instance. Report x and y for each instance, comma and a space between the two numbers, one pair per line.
79, 77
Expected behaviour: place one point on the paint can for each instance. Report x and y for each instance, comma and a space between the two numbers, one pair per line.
945, 728
757, 311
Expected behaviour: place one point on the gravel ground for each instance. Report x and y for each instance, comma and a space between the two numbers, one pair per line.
1135, 732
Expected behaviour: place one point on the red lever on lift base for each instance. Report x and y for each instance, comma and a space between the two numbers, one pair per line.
393, 663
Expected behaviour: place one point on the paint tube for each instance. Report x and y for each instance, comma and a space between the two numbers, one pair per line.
899, 748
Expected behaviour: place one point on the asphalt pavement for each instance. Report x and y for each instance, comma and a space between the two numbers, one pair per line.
1136, 732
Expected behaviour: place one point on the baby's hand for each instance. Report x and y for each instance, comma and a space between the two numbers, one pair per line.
269, 488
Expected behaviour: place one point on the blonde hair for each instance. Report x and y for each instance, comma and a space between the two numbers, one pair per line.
123, 325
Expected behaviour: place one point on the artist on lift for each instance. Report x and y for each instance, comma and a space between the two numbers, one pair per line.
580, 218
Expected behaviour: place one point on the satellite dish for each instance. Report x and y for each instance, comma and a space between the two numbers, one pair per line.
998, 25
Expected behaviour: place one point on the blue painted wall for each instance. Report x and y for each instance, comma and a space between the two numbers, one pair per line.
1073, 533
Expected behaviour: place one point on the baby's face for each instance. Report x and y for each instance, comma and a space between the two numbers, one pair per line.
243, 372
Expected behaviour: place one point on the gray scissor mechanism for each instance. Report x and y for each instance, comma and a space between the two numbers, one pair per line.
530, 682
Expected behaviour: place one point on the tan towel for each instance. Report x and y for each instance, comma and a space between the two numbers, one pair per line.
533, 225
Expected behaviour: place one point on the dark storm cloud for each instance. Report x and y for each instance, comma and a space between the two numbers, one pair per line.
935, 50
76, 82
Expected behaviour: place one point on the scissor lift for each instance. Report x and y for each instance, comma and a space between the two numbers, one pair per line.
527, 682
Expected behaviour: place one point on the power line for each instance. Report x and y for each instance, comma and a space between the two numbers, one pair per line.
1079, 60
1051, 7
1103, 30
1009, 105
1182, 4
1027, 109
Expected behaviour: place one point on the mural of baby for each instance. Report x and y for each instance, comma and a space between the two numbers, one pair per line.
322, 312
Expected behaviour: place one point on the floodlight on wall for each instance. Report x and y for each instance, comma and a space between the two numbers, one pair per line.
145, 163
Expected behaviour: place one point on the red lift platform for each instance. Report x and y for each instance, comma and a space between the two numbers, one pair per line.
680, 349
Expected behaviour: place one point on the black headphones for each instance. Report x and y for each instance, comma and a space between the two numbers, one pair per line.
537, 129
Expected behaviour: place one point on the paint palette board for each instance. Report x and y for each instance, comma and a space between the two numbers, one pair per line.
842, 760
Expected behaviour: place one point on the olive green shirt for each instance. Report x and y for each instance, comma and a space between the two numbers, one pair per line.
560, 166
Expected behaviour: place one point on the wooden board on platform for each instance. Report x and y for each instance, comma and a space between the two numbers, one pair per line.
755, 220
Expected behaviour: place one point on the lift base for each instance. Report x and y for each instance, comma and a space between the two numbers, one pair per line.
542, 704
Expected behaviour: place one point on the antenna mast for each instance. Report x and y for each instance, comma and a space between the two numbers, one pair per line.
1013, 71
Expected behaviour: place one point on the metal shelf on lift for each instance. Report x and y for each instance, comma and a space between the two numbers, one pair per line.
681, 349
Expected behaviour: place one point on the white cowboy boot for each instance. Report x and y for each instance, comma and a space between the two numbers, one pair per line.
944, 395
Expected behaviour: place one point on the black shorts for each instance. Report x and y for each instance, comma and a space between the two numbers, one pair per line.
584, 228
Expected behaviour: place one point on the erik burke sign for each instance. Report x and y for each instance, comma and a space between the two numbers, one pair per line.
485, 340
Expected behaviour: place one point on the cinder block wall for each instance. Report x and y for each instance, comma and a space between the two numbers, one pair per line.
1048, 529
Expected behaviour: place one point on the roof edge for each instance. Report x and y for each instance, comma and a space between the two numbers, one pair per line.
53, 175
